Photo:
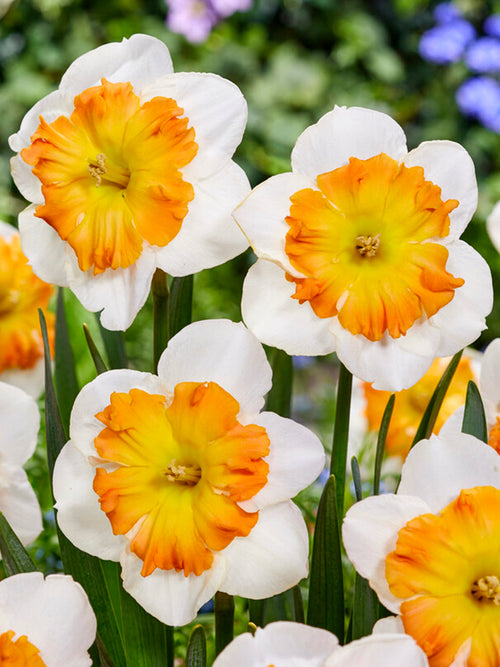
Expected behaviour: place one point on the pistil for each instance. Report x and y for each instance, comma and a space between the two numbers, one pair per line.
367, 246
487, 588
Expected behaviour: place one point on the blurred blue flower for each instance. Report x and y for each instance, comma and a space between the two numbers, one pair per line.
207, 608
302, 361
483, 55
446, 12
492, 25
478, 96
323, 477
446, 43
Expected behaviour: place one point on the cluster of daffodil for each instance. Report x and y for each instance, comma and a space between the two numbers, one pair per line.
175, 487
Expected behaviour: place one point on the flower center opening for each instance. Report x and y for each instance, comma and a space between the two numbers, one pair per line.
486, 589
111, 174
178, 474
367, 246
188, 474
334, 238
18, 652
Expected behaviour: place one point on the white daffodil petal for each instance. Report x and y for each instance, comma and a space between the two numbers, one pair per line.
488, 381
262, 215
169, 595
448, 165
27, 183
209, 236
272, 558
282, 644
79, 514
493, 226
30, 380
389, 625
344, 133
295, 460
223, 352
95, 396
50, 107
19, 504
54, 613
20, 419
380, 651
437, 469
370, 531
270, 312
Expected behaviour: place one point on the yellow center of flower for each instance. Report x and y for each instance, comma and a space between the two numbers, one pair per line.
18, 653
180, 472
446, 567
110, 174
410, 404
21, 294
366, 242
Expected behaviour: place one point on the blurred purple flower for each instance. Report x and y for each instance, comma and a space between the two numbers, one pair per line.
492, 25
446, 12
446, 43
227, 7
483, 55
479, 97
192, 18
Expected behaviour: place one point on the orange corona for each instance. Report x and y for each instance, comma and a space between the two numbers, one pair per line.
366, 244
19, 652
180, 470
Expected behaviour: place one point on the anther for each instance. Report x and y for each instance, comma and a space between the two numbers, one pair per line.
367, 246
487, 588
97, 168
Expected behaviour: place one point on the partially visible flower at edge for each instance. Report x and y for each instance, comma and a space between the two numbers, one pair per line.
182, 479
45, 621
446, 43
22, 293
345, 261
287, 644
430, 551
129, 168
493, 226
20, 421
195, 18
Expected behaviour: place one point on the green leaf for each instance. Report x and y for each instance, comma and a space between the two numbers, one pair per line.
14, 555
66, 382
196, 655
180, 304
382, 436
356, 478
298, 605
474, 421
147, 641
341, 435
280, 396
326, 587
431, 412
114, 346
365, 611
99, 364
159, 290
224, 620
84, 568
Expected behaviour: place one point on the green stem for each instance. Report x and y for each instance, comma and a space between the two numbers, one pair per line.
224, 620
341, 436
159, 289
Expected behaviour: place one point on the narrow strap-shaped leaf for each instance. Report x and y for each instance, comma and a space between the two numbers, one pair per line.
326, 588
365, 611
15, 557
180, 304
147, 641
256, 612
280, 396
159, 290
84, 568
114, 345
224, 620
298, 605
474, 421
341, 435
66, 381
382, 436
99, 364
431, 412
356, 478
196, 655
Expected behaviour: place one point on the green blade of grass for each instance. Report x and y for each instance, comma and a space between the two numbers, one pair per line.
474, 421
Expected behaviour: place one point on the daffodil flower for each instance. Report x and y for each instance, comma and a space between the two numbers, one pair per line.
359, 250
129, 169
20, 421
285, 644
45, 622
21, 295
182, 479
431, 551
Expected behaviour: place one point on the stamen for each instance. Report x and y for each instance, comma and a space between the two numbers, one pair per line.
367, 246
188, 474
487, 588
97, 168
